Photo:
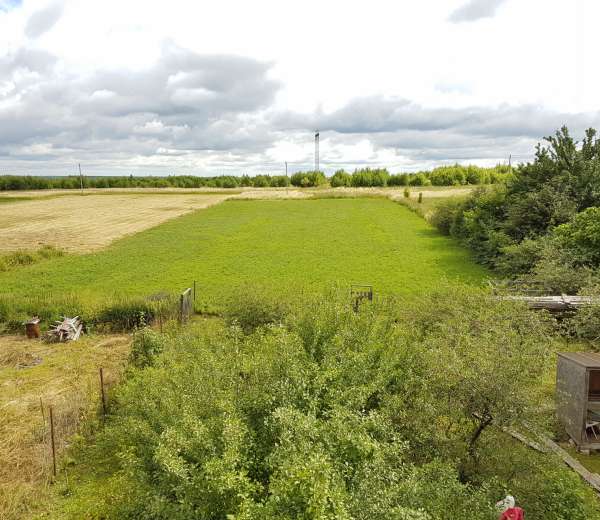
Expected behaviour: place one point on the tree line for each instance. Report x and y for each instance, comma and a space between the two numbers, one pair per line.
455, 175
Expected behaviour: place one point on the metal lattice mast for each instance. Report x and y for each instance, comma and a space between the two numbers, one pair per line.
317, 151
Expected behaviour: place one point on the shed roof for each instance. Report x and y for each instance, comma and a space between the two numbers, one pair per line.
586, 359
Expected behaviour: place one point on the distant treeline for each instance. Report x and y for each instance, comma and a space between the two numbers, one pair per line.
456, 175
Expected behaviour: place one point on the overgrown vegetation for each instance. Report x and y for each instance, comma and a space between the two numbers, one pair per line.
543, 225
393, 412
19, 258
109, 314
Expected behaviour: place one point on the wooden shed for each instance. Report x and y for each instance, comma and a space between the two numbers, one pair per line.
578, 397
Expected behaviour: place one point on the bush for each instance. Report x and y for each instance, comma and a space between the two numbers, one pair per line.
336, 414
340, 178
585, 323
400, 179
308, 179
146, 345
368, 177
581, 237
445, 213
253, 306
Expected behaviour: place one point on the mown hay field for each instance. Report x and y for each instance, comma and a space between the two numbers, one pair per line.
279, 244
90, 222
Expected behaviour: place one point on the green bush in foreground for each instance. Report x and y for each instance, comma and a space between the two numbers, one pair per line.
393, 412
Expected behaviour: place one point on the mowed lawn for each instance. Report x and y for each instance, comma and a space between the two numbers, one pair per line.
282, 244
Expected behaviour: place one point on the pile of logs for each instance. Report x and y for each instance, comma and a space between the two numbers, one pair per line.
69, 329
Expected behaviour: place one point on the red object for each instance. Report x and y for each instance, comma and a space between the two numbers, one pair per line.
513, 513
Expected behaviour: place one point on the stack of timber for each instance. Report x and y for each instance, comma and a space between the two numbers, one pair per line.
69, 329
555, 303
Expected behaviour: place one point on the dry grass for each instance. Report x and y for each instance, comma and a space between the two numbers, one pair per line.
86, 223
33, 376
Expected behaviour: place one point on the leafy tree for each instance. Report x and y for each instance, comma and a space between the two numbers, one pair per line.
340, 178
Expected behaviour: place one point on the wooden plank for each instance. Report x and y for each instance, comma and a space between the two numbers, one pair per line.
593, 479
549, 446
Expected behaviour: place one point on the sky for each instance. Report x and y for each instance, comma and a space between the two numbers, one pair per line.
231, 87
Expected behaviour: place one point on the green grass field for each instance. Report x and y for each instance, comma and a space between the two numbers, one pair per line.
283, 245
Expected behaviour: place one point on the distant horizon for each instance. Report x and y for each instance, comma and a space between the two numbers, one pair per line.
328, 172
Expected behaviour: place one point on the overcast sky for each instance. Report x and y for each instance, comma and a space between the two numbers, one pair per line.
226, 87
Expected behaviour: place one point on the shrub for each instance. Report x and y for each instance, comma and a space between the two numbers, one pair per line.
368, 177
336, 414
400, 179
252, 307
444, 214
581, 237
146, 345
308, 179
585, 323
340, 178
126, 314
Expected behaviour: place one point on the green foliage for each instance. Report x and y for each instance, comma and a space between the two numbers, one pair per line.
585, 324
542, 223
445, 214
581, 236
252, 306
126, 314
308, 179
443, 176
147, 344
367, 177
340, 178
20, 258
13, 182
334, 414
400, 179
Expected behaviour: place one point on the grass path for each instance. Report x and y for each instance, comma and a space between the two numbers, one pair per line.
282, 244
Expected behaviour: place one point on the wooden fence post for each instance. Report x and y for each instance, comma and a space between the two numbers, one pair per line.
102, 394
52, 441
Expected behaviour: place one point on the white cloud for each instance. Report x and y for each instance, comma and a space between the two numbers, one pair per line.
237, 86
475, 10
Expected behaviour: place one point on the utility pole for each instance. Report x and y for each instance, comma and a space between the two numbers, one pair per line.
286, 169
80, 178
510, 162
317, 151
